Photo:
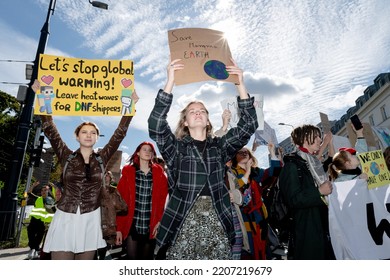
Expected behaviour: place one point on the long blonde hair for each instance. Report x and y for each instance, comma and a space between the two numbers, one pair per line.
182, 129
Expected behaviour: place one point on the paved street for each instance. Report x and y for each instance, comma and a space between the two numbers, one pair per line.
21, 254
14, 253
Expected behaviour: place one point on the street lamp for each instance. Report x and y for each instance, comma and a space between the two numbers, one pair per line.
99, 4
286, 124
9, 196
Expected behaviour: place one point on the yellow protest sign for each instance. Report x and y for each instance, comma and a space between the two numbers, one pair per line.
374, 165
204, 52
76, 86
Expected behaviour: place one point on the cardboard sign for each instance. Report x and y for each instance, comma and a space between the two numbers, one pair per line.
232, 106
82, 87
367, 133
266, 136
374, 165
340, 142
383, 134
204, 53
325, 122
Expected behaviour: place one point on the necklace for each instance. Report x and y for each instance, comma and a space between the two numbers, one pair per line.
201, 146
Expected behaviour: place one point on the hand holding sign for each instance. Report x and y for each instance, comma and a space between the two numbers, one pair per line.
235, 70
171, 68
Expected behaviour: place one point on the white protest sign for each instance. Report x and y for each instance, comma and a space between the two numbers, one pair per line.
340, 142
265, 136
359, 221
231, 104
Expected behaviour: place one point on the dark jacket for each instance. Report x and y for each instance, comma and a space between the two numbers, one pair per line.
78, 190
310, 213
188, 173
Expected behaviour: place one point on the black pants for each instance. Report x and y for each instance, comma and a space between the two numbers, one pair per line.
35, 232
139, 246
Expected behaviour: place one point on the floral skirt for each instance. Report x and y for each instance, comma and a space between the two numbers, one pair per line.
202, 236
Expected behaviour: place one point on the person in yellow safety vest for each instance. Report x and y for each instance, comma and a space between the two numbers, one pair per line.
38, 217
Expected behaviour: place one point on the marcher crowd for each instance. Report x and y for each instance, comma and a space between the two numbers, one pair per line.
204, 198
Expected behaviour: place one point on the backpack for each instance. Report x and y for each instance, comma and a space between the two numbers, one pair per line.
279, 209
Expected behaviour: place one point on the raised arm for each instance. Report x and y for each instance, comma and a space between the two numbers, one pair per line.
119, 134
325, 143
235, 70
226, 116
172, 67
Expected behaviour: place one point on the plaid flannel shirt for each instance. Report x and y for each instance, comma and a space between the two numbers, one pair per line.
188, 173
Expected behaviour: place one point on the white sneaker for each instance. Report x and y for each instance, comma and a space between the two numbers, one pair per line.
36, 255
31, 254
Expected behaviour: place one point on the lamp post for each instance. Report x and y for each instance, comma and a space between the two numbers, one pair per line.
9, 196
99, 4
288, 148
286, 124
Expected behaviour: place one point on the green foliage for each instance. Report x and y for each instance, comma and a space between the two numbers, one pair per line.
23, 241
56, 171
9, 121
9, 113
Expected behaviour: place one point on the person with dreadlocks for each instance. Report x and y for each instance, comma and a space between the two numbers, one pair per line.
304, 186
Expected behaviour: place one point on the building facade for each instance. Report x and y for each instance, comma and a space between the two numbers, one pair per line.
372, 108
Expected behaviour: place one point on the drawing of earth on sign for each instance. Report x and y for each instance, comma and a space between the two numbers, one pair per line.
374, 167
216, 69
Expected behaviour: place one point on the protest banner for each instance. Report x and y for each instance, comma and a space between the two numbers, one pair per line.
82, 87
266, 135
374, 165
204, 53
383, 134
359, 221
340, 142
232, 106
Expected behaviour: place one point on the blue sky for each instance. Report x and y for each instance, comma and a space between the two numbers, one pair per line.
304, 57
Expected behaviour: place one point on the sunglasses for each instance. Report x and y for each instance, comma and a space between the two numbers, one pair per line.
243, 153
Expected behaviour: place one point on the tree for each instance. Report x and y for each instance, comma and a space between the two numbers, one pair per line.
10, 109
56, 171
9, 115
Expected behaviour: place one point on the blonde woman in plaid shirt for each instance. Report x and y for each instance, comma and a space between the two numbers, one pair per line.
197, 223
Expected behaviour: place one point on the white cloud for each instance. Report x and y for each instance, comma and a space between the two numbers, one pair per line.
341, 101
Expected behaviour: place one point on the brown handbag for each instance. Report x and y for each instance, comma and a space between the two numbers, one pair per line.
112, 204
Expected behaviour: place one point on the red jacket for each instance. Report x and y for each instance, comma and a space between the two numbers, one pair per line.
126, 188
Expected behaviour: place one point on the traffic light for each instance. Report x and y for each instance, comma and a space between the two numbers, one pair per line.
35, 158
